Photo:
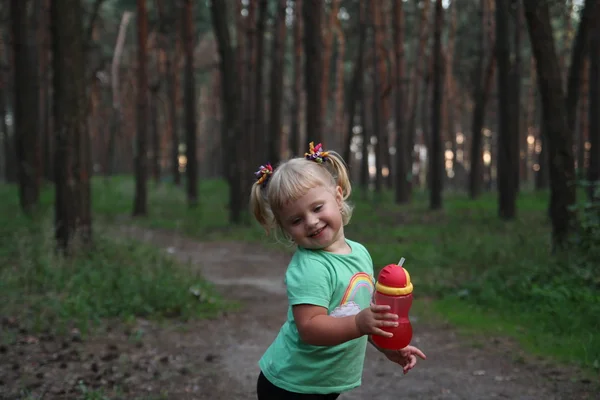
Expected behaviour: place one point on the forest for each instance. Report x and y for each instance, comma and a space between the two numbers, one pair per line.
130, 131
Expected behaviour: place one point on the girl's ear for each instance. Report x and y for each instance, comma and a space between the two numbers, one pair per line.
339, 195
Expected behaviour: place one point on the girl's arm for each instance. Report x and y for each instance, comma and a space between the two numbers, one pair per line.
318, 328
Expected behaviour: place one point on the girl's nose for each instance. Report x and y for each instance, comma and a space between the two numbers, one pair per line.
313, 220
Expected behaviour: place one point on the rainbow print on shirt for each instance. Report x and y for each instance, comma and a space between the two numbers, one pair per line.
359, 282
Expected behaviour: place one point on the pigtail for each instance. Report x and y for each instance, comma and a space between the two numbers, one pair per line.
338, 168
259, 205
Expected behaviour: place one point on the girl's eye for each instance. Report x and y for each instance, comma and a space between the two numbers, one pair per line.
296, 221
318, 208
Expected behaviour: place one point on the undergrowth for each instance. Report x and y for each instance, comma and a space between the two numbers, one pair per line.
120, 278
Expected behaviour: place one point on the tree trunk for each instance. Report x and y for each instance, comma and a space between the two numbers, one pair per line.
259, 101
483, 87
436, 155
519, 140
294, 141
452, 106
7, 139
276, 88
593, 173
377, 116
338, 125
25, 99
191, 167
355, 98
251, 141
43, 36
140, 201
313, 74
117, 108
73, 220
507, 134
232, 127
589, 14
556, 126
327, 36
403, 161
155, 132
417, 79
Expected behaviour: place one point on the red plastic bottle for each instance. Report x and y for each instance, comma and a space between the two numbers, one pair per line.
394, 288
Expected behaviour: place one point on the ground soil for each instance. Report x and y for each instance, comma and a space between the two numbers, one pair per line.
216, 359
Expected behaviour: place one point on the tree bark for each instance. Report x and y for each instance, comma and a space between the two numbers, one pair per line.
230, 84
294, 141
73, 220
436, 155
377, 116
259, 101
140, 201
403, 161
593, 172
25, 99
191, 167
507, 134
556, 125
483, 87
117, 111
276, 88
313, 74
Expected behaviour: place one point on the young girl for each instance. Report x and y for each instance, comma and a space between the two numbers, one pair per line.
320, 349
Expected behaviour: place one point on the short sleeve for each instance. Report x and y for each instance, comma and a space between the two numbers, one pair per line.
308, 281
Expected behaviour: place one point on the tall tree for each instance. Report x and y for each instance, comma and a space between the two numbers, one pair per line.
593, 175
507, 134
313, 74
294, 141
191, 167
276, 88
483, 86
555, 120
377, 113
7, 138
403, 160
259, 101
230, 94
436, 155
25, 100
140, 202
73, 220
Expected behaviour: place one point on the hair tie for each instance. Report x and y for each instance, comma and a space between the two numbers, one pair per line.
316, 154
263, 174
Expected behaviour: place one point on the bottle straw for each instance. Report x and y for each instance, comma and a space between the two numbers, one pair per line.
401, 261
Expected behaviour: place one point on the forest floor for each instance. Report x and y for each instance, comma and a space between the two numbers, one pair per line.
216, 359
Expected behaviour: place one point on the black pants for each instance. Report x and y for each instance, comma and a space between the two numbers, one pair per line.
265, 390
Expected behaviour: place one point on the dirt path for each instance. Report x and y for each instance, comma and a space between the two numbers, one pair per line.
217, 359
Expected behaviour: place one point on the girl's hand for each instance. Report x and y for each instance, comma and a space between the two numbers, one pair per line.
370, 320
406, 357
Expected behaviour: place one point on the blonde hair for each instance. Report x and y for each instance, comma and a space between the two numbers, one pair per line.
291, 180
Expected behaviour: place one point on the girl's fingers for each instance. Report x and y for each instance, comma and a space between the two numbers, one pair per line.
391, 324
379, 307
381, 332
385, 316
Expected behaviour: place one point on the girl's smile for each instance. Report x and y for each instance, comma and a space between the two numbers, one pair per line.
314, 221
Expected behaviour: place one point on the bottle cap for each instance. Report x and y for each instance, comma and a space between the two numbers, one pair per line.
394, 280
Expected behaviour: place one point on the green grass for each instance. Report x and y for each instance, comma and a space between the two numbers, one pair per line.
119, 279
485, 275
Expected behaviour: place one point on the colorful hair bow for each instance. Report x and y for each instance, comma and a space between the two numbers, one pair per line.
316, 154
263, 174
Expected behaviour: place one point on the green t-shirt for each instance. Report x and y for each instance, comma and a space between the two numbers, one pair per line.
342, 283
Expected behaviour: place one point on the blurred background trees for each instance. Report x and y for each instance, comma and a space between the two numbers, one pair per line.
442, 95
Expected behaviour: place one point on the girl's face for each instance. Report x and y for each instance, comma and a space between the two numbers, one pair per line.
314, 221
